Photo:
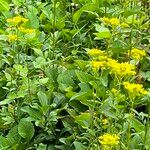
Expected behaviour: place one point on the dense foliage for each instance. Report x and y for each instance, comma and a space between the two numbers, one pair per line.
75, 75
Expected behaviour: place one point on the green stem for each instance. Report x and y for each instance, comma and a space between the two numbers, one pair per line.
147, 126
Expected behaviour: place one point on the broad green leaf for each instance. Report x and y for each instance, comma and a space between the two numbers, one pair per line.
35, 114
104, 78
4, 6
38, 51
43, 81
32, 15
84, 120
79, 146
103, 32
3, 37
18, 2
83, 76
137, 125
42, 98
4, 144
13, 136
87, 7
78, 95
26, 129
8, 76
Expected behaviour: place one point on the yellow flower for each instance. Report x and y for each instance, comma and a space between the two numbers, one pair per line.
113, 90
27, 31
121, 69
136, 89
97, 64
104, 121
137, 54
124, 25
114, 21
106, 20
12, 38
111, 21
16, 20
96, 52
109, 139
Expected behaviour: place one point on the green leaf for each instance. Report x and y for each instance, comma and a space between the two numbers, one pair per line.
32, 15
43, 81
8, 76
137, 125
83, 76
4, 6
26, 129
18, 2
79, 146
87, 7
32, 112
38, 51
13, 136
3, 37
84, 120
4, 144
103, 32
42, 98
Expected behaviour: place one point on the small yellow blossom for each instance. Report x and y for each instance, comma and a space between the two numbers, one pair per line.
121, 69
114, 21
96, 52
27, 31
136, 89
111, 21
109, 139
12, 38
106, 20
137, 54
113, 90
16, 20
124, 25
97, 64
104, 121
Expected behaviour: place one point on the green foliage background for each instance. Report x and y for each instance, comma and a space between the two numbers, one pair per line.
49, 96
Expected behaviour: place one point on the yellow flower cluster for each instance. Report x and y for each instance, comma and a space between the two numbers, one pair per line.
119, 69
109, 139
12, 38
16, 20
114, 22
96, 52
27, 31
97, 64
17, 23
137, 54
136, 89
122, 69
104, 121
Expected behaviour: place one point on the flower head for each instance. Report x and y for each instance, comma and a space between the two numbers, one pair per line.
97, 64
125, 69
104, 121
109, 139
96, 52
106, 20
12, 38
111, 21
137, 54
120, 69
135, 89
26, 31
16, 20
114, 21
